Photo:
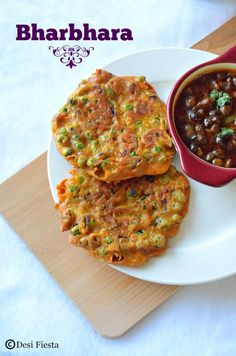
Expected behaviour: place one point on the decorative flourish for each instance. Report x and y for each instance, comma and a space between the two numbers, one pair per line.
71, 56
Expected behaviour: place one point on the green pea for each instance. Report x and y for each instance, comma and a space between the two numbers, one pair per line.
63, 131
114, 131
75, 137
156, 121
61, 138
105, 162
88, 135
67, 151
104, 138
156, 149
63, 109
102, 251
110, 92
75, 230
176, 206
81, 179
92, 223
73, 188
84, 100
179, 196
161, 222
108, 240
73, 101
94, 145
133, 154
91, 162
138, 123
78, 146
81, 161
158, 240
154, 206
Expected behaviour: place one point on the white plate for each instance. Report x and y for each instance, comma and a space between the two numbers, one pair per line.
205, 247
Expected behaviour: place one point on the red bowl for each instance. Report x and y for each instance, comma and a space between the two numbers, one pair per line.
192, 165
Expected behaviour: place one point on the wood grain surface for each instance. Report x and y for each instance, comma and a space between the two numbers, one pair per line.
219, 40
111, 301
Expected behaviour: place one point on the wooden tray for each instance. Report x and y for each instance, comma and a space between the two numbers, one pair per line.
110, 300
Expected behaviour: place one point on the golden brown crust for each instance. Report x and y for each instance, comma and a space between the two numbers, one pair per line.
115, 128
124, 223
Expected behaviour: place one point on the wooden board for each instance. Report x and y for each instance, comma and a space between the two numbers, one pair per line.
219, 40
110, 300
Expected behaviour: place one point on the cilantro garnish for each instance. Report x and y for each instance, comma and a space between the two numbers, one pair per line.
225, 131
220, 97
214, 94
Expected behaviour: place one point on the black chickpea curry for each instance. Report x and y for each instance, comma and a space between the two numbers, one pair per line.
206, 118
124, 199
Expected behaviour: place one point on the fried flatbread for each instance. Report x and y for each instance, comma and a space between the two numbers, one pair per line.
124, 223
114, 128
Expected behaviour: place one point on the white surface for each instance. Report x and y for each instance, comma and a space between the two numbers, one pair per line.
189, 258
198, 320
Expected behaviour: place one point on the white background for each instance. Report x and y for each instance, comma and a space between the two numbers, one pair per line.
198, 320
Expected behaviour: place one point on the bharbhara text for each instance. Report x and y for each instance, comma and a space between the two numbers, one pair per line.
34, 33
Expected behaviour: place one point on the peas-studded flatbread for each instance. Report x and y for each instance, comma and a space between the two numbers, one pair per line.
114, 128
123, 223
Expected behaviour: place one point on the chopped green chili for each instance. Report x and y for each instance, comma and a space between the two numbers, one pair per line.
128, 106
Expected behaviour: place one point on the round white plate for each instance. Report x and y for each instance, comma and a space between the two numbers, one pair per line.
205, 246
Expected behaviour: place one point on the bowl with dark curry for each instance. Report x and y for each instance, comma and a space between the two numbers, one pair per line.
201, 113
